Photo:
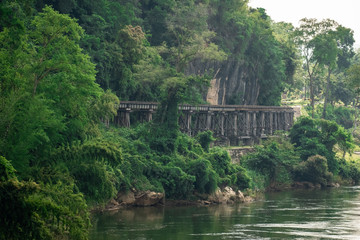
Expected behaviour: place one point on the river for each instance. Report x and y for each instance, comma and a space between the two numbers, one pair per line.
299, 214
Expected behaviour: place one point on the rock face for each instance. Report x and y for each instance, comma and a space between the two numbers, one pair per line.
230, 84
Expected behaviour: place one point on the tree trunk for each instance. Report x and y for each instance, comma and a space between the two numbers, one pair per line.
326, 93
312, 97
355, 115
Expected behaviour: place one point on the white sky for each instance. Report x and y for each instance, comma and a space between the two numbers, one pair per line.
345, 12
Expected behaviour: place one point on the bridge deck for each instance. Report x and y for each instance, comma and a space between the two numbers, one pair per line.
203, 107
229, 122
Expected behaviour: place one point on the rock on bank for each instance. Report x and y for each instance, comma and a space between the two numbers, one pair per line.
149, 198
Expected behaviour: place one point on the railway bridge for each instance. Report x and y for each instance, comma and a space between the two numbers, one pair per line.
231, 124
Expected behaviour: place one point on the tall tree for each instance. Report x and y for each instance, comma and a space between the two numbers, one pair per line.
321, 44
284, 34
265, 59
191, 39
332, 49
304, 36
48, 90
353, 80
247, 36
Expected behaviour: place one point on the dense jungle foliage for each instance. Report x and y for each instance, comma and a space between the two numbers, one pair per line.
307, 154
65, 65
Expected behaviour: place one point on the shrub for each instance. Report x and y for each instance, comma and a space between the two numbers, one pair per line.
349, 171
240, 177
205, 138
343, 116
257, 180
273, 160
188, 146
7, 171
177, 184
95, 166
318, 137
314, 170
94, 180
206, 178
220, 160
229, 174
36, 211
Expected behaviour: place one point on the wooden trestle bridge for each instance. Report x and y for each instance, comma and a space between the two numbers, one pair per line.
235, 124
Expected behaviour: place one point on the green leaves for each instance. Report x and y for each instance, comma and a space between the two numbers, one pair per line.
38, 211
323, 44
353, 77
274, 160
48, 93
312, 137
314, 169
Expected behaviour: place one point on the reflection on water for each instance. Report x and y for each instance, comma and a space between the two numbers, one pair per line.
303, 214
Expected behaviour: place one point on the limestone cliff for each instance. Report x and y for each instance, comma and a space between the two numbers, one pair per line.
231, 82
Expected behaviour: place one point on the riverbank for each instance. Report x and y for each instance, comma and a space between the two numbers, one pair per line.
307, 214
133, 198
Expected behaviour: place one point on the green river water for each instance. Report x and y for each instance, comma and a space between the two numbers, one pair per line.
300, 214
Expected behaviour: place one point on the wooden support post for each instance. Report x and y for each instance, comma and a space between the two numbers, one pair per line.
286, 120
196, 124
127, 117
222, 119
208, 120
280, 121
149, 115
271, 122
275, 122
247, 123
235, 125
254, 124
262, 120
291, 120
188, 123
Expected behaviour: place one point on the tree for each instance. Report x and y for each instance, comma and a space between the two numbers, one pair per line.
324, 43
230, 21
35, 211
344, 140
48, 91
247, 36
353, 80
332, 49
105, 23
265, 60
192, 37
284, 34
124, 53
155, 15
304, 36
191, 40
275, 160
318, 137
314, 169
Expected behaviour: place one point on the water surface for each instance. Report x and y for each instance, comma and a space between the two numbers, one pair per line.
301, 214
